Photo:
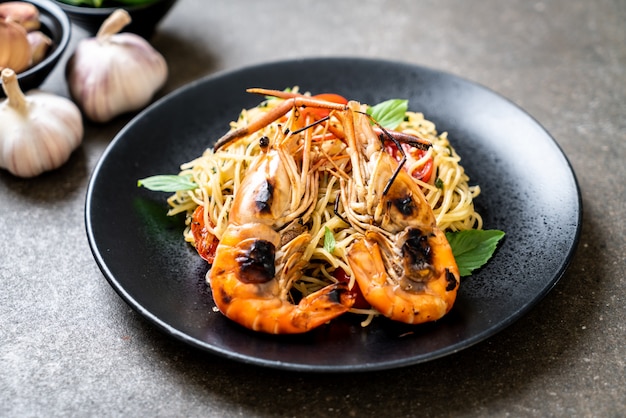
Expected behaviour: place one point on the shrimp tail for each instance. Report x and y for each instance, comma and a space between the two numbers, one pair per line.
272, 315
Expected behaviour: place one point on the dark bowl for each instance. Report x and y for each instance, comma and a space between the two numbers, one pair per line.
144, 17
55, 24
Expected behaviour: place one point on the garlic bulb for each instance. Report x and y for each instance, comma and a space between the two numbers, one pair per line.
114, 73
15, 50
38, 131
24, 13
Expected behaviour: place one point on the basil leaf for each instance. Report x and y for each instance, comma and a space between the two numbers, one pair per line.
473, 248
390, 113
329, 240
167, 183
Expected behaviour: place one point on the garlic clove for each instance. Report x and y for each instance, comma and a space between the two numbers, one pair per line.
38, 130
21, 12
40, 43
15, 50
114, 73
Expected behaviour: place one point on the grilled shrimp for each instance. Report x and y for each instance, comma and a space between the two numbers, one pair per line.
403, 263
259, 256
401, 260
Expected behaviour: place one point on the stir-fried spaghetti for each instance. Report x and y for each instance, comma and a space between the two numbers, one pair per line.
219, 174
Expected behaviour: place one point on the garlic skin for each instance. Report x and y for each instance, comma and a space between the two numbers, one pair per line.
15, 50
26, 14
38, 131
114, 73
40, 43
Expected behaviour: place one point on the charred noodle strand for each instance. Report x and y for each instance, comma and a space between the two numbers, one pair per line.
361, 222
289, 162
306, 156
321, 210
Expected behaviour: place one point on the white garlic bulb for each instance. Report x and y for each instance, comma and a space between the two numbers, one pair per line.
38, 130
114, 73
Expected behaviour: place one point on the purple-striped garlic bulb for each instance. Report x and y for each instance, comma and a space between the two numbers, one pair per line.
114, 73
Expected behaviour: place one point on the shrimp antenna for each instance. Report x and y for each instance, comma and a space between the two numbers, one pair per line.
400, 163
404, 138
317, 122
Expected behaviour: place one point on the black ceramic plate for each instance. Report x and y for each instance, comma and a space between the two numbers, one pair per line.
528, 190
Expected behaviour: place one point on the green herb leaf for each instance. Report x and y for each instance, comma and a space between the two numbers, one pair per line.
167, 183
389, 114
473, 248
329, 240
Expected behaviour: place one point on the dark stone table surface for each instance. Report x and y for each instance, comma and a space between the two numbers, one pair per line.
70, 346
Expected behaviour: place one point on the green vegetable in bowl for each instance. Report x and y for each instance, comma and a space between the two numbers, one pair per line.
106, 3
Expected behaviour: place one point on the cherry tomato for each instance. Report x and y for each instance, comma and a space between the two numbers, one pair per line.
413, 154
318, 113
359, 299
331, 97
426, 170
206, 242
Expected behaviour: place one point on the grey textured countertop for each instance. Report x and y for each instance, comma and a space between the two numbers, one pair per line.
69, 346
